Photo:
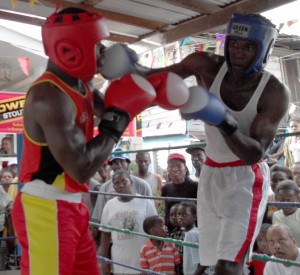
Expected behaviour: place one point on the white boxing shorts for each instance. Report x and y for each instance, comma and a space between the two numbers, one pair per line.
231, 202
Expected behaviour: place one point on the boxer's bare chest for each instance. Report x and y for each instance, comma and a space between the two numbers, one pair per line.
236, 93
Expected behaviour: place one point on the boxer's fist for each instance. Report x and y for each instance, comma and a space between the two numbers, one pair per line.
210, 109
171, 91
123, 100
118, 60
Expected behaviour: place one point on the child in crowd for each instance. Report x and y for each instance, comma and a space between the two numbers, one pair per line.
157, 255
177, 233
186, 218
278, 173
261, 247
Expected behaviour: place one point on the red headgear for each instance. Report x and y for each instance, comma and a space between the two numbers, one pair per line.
69, 41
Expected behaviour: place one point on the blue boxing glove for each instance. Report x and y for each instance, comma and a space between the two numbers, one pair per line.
210, 109
118, 60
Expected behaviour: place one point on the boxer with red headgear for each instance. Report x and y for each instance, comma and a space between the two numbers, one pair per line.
242, 110
60, 153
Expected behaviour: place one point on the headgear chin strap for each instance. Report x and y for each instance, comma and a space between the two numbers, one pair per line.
255, 28
69, 41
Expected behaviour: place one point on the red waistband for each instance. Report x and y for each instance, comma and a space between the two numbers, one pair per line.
210, 162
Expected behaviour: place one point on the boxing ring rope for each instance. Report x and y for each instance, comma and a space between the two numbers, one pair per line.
144, 271
8, 155
255, 256
271, 203
7, 183
143, 197
129, 232
266, 258
191, 145
161, 148
7, 238
288, 134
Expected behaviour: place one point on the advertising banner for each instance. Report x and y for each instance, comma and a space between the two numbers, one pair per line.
11, 115
11, 112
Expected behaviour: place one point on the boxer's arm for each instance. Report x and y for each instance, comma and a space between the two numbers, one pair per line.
49, 117
273, 107
200, 64
249, 148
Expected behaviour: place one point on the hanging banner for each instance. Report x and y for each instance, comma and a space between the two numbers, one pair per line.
138, 125
11, 115
11, 112
130, 131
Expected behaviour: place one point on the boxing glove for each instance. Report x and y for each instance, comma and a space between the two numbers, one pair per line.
210, 109
117, 60
123, 100
171, 91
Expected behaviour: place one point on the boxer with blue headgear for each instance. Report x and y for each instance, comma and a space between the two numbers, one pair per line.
254, 28
242, 105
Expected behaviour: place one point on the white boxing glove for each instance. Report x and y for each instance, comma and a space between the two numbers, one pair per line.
118, 60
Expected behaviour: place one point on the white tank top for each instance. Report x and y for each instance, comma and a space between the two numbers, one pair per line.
216, 148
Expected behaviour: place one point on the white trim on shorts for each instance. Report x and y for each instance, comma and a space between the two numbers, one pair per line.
43, 190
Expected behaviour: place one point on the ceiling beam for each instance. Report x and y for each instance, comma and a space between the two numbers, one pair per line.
122, 38
91, 2
28, 19
110, 15
206, 22
195, 5
22, 18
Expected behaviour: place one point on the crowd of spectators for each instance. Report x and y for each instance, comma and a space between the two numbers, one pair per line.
175, 219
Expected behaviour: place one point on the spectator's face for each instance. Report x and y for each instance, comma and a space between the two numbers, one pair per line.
185, 217
294, 126
262, 243
177, 171
7, 177
160, 229
287, 195
281, 245
119, 164
14, 169
198, 157
6, 146
173, 216
277, 177
143, 161
122, 184
104, 171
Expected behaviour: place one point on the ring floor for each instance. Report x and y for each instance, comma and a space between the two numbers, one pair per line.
10, 272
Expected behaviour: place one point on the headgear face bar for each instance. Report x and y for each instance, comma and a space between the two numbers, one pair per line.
257, 29
70, 39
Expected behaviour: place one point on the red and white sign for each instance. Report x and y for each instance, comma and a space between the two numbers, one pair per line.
11, 112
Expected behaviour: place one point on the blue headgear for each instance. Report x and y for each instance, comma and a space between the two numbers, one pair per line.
114, 155
255, 28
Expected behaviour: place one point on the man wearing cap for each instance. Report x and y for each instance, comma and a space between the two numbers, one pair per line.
197, 156
180, 184
118, 160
